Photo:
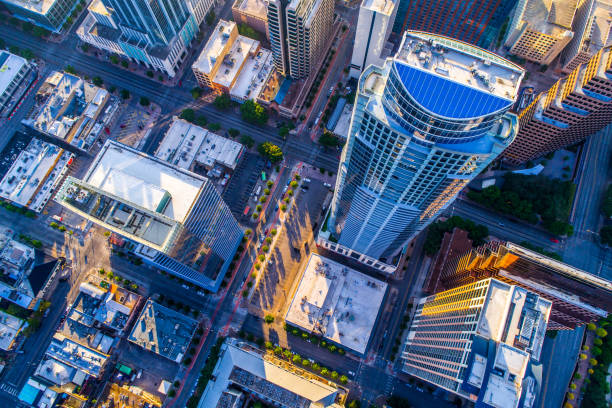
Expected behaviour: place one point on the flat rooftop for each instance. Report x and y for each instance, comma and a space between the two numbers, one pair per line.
163, 331
10, 65
32, 177
144, 180
214, 48
186, 143
551, 17
336, 302
258, 8
243, 366
599, 29
76, 355
254, 75
10, 326
435, 69
35, 6
380, 6
233, 61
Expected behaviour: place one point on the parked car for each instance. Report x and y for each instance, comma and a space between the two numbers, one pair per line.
327, 185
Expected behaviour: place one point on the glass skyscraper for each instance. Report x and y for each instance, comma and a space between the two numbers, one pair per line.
424, 124
160, 20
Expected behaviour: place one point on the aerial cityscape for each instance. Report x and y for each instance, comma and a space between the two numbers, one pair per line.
306, 203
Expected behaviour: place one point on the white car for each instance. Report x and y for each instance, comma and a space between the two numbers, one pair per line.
185, 286
306, 180
327, 185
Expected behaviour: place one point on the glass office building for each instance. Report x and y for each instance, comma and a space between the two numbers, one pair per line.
424, 124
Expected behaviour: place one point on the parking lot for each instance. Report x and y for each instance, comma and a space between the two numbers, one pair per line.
133, 124
155, 368
292, 248
241, 184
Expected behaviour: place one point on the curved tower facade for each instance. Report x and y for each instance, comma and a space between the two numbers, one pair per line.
424, 124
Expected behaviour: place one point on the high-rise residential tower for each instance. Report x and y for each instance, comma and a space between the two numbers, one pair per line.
574, 108
176, 219
477, 22
481, 341
540, 29
578, 297
592, 32
424, 124
373, 28
299, 32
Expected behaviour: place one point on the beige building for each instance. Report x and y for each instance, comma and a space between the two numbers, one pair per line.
253, 13
299, 33
540, 29
592, 26
233, 63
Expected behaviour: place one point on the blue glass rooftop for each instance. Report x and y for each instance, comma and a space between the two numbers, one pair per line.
448, 98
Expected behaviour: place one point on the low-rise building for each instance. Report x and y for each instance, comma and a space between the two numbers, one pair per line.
196, 149
232, 63
34, 175
243, 372
16, 75
337, 303
22, 282
10, 327
253, 13
49, 14
115, 395
163, 331
71, 110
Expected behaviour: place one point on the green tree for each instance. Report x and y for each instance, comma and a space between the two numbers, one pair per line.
269, 319
591, 326
247, 140
254, 113
40, 32
210, 18
27, 26
605, 235
222, 102
144, 101
125, 63
28, 54
328, 139
125, 94
150, 74
196, 93
601, 332
270, 152
97, 81
70, 70
187, 114
114, 59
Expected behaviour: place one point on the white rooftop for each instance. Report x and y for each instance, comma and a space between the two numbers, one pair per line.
31, 179
10, 68
462, 63
35, 6
253, 76
10, 326
257, 8
213, 50
233, 61
148, 178
186, 143
379, 6
598, 30
305, 387
337, 302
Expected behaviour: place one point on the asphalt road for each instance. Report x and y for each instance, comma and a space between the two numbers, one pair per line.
583, 249
171, 99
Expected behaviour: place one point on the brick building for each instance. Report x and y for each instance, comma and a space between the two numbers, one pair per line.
572, 109
578, 297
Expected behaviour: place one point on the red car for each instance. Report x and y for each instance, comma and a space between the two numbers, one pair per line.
555, 240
